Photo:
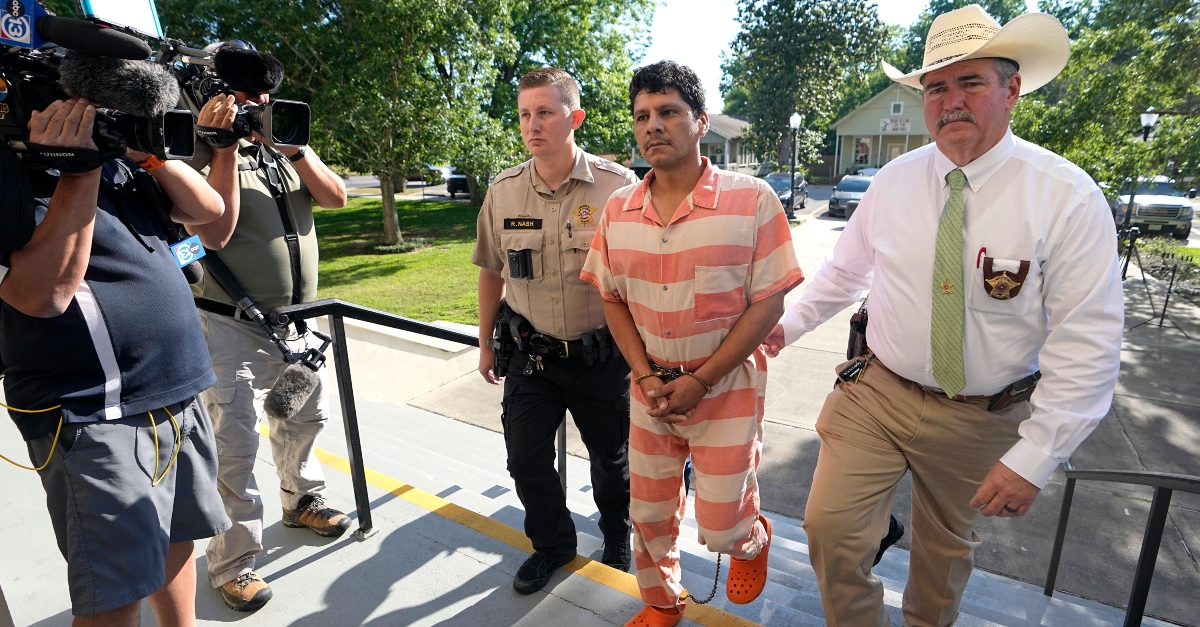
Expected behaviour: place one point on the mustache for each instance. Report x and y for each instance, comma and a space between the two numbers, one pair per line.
955, 116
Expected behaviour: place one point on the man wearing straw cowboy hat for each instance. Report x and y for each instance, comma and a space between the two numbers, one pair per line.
991, 262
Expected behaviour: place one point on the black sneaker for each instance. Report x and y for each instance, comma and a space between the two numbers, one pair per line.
895, 532
535, 572
617, 553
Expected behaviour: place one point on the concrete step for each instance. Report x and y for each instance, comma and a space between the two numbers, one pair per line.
466, 465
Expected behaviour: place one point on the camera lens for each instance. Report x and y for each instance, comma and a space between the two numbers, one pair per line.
289, 123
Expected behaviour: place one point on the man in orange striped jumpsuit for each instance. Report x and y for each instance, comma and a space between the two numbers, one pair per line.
693, 264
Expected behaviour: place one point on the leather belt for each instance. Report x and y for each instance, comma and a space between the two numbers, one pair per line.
938, 391
543, 344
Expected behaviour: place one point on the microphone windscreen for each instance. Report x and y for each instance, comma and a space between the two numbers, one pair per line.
140, 88
291, 391
90, 38
250, 71
194, 273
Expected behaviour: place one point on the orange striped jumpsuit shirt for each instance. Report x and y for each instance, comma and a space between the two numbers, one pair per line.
686, 284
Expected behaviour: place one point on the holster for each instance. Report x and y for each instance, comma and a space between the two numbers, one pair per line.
502, 342
1015, 393
857, 345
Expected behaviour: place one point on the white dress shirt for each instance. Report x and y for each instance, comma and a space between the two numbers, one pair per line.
1022, 203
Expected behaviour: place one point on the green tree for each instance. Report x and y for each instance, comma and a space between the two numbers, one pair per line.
1124, 60
370, 69
793, 55
597, 41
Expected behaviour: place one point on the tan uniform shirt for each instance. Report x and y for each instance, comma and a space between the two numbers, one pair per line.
521, 212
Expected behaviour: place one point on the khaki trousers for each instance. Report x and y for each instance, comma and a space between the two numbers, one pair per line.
873, 431
247, 365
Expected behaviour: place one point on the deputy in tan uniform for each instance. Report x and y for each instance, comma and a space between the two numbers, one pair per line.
552, 348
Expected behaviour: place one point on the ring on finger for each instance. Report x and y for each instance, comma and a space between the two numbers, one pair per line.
1009, 509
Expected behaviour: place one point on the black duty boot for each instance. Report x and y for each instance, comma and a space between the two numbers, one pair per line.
617, 553
536, 571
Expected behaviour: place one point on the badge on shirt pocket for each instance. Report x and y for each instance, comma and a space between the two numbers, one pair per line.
1006, 282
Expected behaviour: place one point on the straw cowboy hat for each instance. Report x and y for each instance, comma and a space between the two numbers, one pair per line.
1036, 41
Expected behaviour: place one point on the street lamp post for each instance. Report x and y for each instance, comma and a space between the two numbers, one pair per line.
1148, 120
794, 122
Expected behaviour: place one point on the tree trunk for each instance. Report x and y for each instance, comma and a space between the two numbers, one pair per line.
477, 191
391, 221
401, 184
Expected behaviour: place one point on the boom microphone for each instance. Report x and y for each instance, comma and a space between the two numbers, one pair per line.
92, 39
139, 88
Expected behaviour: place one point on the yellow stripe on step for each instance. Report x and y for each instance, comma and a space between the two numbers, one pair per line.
585, 567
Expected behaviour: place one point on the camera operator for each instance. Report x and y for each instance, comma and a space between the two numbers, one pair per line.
252, 240
103, 362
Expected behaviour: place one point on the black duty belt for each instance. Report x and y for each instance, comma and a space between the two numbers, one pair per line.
549, 345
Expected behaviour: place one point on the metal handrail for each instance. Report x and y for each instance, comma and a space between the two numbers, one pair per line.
337, 311
1164, 484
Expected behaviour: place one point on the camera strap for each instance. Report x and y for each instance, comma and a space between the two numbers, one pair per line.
216, 137
68, 159
267, 161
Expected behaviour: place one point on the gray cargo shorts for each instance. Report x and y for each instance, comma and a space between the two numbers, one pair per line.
112, 526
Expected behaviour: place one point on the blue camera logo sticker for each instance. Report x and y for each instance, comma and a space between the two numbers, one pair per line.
187, 251
14, 24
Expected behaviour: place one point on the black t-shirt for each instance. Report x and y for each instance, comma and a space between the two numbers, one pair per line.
129, 342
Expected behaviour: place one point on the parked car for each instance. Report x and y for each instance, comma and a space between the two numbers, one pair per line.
867, 171
766, 168
456, 183
1160, 208
781, 182
430, 174
847, 194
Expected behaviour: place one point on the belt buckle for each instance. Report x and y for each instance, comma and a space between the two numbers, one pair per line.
566, 348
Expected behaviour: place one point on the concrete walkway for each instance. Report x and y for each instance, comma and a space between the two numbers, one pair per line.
1154, 426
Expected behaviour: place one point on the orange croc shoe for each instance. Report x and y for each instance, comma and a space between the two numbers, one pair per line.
748, 578
651, 616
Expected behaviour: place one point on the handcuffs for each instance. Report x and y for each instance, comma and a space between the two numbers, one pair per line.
668, 375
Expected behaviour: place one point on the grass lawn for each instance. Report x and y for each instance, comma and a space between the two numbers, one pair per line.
433, 283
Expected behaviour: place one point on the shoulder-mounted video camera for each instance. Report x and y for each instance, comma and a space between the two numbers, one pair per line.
47, 58
233, 66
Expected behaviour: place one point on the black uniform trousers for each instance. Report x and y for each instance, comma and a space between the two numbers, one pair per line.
534, 407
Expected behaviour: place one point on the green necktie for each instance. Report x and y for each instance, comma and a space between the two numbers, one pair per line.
946, 329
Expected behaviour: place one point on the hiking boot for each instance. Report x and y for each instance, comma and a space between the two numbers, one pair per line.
895, 532
311, 512
246, 593
617, 553
535, 572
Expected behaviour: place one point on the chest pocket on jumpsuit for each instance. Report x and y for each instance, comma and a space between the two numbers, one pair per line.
720, 292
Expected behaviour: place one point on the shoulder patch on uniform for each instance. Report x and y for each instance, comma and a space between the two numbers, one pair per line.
610, 166
511, 172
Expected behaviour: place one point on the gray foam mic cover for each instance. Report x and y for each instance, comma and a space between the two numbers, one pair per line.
140, 88
291, 391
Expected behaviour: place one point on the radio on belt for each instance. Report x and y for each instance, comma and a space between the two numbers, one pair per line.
520, 264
